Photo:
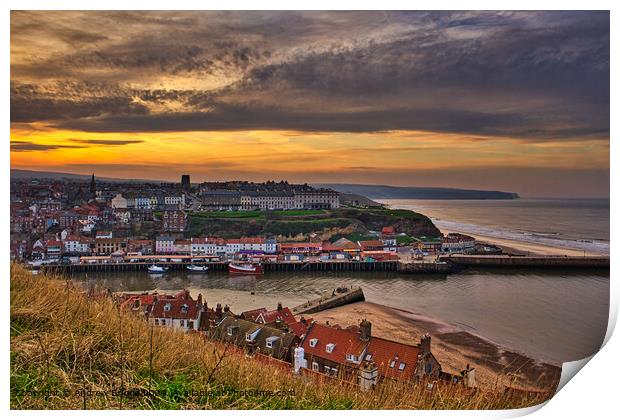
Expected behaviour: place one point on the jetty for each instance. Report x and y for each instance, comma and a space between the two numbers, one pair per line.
338, 297
522, 261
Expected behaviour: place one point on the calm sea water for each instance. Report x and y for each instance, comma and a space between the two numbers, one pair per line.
581, 224
550, 316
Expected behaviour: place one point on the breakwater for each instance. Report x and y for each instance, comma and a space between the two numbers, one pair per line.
339, 297
512, 261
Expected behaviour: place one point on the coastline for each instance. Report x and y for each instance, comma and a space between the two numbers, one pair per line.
495, 365
521, 247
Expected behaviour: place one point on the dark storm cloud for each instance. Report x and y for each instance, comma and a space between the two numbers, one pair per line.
107, 142
542, 75
25, 146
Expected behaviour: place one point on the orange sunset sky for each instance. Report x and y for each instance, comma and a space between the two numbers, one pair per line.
509, 101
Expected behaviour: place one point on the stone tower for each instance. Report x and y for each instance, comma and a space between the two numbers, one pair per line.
93, 187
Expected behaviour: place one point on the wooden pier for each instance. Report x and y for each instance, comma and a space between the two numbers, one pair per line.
269, 267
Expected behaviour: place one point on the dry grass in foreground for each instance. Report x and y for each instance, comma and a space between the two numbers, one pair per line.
70, 352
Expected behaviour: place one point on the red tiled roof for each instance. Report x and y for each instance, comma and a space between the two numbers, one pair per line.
146, 299
299, 328
383, 352
388, 230
183, 294
347, 342
331, 247
252, 314
285, 315
175, 311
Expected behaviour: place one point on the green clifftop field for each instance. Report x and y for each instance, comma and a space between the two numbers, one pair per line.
73, 352
293, 223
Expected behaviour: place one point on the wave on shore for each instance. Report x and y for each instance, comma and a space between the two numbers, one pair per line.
553, 239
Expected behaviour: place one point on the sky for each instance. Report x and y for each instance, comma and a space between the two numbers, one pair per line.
511, 101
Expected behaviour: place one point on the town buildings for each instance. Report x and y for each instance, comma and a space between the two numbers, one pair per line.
458, 243
349, 353
256, 338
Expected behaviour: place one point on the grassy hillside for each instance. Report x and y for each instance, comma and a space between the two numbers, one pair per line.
70, 352
290, 223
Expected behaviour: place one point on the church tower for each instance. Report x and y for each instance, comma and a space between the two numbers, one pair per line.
93, 188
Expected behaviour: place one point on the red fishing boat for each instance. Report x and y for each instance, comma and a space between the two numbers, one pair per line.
236, 268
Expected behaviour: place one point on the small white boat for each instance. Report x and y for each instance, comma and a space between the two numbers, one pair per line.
197, 268
155, 269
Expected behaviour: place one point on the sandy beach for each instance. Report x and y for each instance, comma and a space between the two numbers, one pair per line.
527, 248
495, 366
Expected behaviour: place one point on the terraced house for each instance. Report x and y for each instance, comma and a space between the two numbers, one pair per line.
256, 338
353, 354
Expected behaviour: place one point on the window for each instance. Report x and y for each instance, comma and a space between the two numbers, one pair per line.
156, 321
392, 363
327, 369
184, 307
401, 366
315, 366
352, 357
330, 347
314, 342
163, 322
368, 357
270, 341
334, 372
167, 307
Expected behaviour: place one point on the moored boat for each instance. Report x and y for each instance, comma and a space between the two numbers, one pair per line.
197, 268
236, 268
156, 269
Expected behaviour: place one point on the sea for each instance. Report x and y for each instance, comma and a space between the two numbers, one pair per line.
578, 224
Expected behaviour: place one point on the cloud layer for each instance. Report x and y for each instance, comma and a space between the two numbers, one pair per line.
529, 75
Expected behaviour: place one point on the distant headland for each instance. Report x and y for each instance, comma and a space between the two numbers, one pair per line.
419, 193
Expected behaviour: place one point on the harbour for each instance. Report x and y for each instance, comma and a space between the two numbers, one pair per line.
443, 265
552, 315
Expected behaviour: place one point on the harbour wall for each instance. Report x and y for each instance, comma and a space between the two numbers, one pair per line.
511, 261
444, 265
340, 299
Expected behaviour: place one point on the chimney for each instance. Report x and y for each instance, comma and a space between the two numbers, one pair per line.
368, 376
199, 299
218, 309
279, 306
365, 330
226, 308
425, 344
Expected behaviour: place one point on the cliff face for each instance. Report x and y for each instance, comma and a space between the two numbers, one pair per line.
324, 223
407, 221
